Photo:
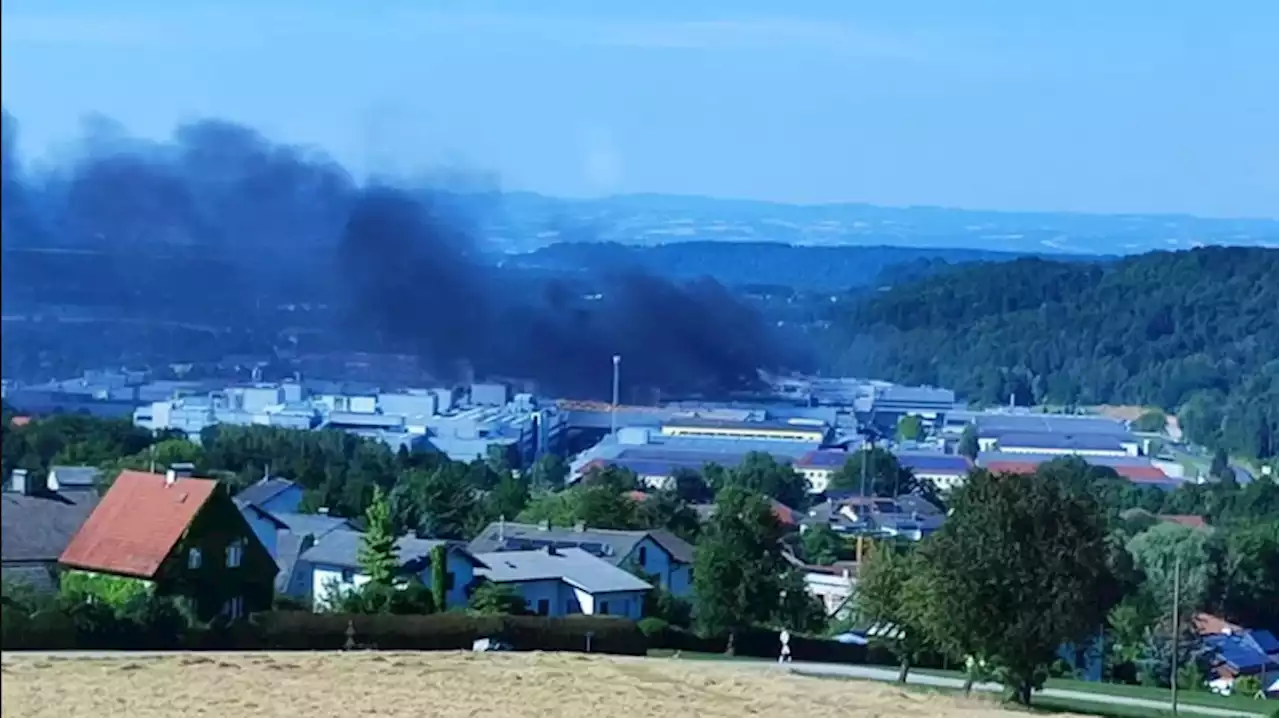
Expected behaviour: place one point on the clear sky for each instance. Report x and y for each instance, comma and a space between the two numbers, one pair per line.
1090, 105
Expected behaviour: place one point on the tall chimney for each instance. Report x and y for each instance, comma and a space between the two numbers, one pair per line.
170, 476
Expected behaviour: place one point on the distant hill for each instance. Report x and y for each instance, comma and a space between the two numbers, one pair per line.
523, 221
743, 264
1193, 332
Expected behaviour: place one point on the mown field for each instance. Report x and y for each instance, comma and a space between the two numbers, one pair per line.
444, 685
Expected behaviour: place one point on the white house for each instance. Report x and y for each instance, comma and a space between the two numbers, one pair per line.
332, 565
660, 555
559, 582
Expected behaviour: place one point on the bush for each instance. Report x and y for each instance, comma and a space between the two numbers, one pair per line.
447, 631
1247, 686
757, 643
653, 628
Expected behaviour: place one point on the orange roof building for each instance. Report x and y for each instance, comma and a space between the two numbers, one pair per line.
182, 533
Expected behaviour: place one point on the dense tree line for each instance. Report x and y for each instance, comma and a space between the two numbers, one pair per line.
1191, 332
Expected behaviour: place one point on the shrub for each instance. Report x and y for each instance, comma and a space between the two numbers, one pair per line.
653, 628
1247, 686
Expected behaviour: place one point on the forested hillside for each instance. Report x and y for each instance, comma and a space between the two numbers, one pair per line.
758, 263
1193, 332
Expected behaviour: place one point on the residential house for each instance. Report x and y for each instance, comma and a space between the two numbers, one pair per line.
832, 585
181, 536
38, 522
294, 534
660, 555
260, 500
563, 581
1235, 651
906, 517
331, 562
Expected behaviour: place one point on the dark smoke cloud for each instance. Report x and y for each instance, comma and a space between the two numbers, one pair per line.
402, 264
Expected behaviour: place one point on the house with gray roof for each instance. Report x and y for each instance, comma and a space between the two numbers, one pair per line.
36, 525
658, 554
73, 478
564, 581
331, 565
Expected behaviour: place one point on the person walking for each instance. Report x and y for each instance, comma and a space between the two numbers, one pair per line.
784, 656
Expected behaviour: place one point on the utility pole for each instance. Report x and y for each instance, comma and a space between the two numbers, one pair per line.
613, 409
868, 443
1173, 661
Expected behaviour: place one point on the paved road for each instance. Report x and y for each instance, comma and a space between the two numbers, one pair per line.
887, 674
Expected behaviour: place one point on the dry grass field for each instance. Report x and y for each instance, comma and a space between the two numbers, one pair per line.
442, 685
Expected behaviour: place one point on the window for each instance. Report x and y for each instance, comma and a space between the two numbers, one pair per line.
448, 581
234, 608
193, 558
544, 607
235, 553
348, 575
604, 608
643, 555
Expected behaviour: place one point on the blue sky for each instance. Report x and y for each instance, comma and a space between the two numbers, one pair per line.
1087, 105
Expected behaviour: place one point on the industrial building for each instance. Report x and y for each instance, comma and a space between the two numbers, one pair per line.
445, 420
1137, 469
809, 431
655, 456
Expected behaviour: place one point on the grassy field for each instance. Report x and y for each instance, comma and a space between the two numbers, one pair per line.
1200, 698
443, 685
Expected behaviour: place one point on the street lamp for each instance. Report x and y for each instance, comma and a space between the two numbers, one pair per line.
613, 409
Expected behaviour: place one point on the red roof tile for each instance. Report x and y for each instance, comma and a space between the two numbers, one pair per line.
20, 421
1141, 473
1190, 521
1208, 624
137, 524
1012, 467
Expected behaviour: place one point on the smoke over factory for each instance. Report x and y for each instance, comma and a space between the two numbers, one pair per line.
220, 224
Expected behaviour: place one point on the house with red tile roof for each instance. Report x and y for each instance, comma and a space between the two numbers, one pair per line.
181, 536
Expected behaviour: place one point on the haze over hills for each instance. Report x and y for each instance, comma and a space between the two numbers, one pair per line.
527, 221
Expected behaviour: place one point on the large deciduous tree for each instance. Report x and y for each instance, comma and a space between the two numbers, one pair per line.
738, 565
1021, 567
892, 592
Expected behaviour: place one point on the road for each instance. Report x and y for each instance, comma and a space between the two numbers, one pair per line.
839, 670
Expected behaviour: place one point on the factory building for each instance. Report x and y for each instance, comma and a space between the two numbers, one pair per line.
797, 430
443, 420
655, 457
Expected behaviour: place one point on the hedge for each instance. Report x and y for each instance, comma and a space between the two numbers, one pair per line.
297, 630
758, 643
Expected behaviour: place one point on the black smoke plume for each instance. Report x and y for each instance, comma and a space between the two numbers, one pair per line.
218, 224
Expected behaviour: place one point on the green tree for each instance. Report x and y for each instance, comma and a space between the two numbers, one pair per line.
759, 472
1155, 552
1220, 466
968, 445
892, 593
548, 473
910, 428
1021, 567
508, 498
437, 503
691, 487
665, 509
822, 545
439, 576
496, 599
1152, 421
738, 565
885, 476
1244, 586
798, 610
378, 555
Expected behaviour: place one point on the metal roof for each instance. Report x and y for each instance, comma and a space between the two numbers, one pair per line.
341, 548
698, 422
1045, 440
935, 462
570, 565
